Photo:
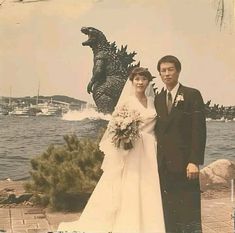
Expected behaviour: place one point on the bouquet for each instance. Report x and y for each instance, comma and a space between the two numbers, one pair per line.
124, 127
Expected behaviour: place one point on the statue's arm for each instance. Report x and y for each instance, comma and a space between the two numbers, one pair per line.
97, 73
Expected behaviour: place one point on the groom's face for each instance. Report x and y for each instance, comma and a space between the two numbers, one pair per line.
169, 74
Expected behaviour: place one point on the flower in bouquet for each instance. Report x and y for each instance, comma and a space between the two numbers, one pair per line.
124, 127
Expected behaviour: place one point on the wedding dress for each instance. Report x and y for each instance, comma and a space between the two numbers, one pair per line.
127, 198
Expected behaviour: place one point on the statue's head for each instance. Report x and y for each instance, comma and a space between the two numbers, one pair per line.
94, 36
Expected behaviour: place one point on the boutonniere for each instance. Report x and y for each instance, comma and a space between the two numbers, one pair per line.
179, 99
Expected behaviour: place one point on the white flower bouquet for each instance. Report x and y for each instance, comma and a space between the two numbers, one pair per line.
124, 127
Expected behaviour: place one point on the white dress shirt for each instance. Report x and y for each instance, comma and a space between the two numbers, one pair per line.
173, 92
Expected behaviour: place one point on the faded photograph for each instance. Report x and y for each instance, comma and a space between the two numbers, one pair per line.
117, 116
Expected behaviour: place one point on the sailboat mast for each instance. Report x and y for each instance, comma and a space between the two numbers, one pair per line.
38, 93
10, 96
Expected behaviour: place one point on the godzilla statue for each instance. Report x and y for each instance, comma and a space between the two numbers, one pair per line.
110, 70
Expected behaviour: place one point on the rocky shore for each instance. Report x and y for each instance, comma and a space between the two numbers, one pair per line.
18, 213
215, 180
12, 193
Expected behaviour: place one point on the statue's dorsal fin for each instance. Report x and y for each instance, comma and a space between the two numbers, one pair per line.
113, 47
126, 58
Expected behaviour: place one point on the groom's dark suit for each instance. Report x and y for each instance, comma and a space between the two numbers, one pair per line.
181, 137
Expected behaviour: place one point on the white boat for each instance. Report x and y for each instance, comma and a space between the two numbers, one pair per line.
20, 111
49, 110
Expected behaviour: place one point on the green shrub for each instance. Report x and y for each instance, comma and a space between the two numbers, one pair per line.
64, 176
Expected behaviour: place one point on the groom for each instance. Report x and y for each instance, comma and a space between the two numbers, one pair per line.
181, 138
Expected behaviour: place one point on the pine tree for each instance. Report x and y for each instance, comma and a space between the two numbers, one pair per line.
64, 176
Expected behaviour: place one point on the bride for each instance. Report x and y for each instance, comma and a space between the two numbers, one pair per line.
127, 198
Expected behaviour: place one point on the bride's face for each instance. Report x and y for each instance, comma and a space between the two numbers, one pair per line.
140, 83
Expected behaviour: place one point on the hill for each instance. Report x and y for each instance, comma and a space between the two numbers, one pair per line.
33, 99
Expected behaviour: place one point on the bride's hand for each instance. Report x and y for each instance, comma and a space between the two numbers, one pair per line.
192, 171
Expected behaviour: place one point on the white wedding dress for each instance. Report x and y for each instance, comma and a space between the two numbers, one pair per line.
127, 198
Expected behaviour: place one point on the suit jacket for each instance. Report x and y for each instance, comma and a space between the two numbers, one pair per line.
181, 135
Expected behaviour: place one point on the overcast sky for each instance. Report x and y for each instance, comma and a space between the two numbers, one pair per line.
41, 42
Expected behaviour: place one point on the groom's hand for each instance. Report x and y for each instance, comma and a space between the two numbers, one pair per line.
192, 171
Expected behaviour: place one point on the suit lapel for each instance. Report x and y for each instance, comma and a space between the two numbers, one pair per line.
174, 102
162, 104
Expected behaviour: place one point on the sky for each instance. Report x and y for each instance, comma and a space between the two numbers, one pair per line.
41, 43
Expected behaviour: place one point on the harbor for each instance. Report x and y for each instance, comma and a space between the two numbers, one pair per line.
44, 106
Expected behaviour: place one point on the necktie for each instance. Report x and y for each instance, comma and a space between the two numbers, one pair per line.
169, 102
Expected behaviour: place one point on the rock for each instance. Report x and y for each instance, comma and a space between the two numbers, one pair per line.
12, 198
16, 187
9, 189
13, 193
217, 175
7, 196
23, 198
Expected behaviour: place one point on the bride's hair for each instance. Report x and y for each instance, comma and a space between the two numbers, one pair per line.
140, 71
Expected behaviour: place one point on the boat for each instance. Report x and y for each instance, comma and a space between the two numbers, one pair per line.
49, 110
3, 111
20, 111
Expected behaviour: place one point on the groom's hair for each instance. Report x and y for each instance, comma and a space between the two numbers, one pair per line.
170, 59
140, 71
